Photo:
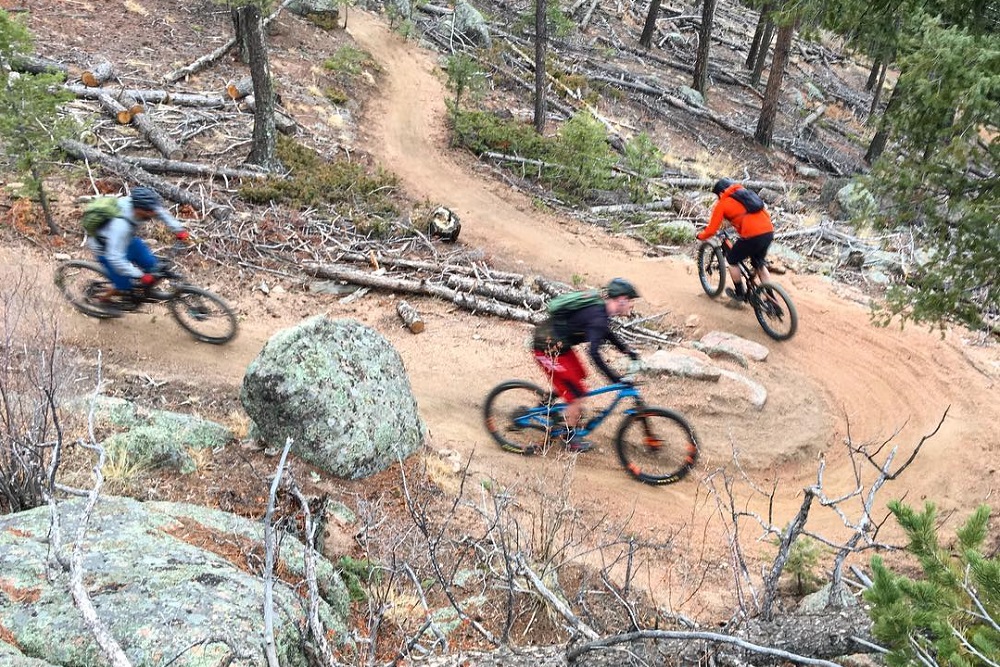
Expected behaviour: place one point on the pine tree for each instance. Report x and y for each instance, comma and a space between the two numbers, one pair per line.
950, 617
30, 123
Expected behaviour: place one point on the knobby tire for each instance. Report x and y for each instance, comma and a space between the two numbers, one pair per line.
656, 446
505, 404
80, 282
204, 315
775, 311
711, 269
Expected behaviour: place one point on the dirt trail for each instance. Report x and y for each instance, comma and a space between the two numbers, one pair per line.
838, 371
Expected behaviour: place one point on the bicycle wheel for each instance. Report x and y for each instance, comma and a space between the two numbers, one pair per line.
656, 446
517, 415
82, 283
775, 311
203, 314
711, 269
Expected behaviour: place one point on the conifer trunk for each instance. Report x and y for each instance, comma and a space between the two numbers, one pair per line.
704, 47
648, 28
769, 109
541, 37
263, 150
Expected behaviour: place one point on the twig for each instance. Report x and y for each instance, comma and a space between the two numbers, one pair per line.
269, 557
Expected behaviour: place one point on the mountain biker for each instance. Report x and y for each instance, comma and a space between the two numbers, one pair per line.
745, 211
553, 350
126, 258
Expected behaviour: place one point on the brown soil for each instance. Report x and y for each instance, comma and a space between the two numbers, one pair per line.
839, 377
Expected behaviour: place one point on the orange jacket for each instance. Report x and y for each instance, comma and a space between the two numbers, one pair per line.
747, 225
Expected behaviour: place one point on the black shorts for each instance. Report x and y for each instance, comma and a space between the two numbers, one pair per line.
754, 247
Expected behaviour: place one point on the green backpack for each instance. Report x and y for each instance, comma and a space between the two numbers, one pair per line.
550, 334
570, 301
98, 212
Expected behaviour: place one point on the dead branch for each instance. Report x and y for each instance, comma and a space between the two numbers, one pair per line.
269, 557
210, 58
659, 205
132, 172
316, 629
812, 118
586, 16
553, 600
688, 636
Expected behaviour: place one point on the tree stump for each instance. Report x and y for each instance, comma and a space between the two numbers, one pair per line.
444, 224
410, 317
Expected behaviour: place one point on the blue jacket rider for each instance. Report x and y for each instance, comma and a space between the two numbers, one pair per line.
125, 257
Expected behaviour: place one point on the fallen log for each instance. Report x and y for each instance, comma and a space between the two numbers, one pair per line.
37, 65
164, 166
97, 75
209, 58
441, 269
460, 299
127, 112
659, 205
126, 169
410, 317
237, 90
169, 148
516, 297
153, 96
812, 118
282, 121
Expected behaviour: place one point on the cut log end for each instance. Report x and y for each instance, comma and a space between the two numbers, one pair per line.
97, 75
410, 317
124, 117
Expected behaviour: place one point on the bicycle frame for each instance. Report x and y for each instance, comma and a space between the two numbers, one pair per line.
749, 273
544, 416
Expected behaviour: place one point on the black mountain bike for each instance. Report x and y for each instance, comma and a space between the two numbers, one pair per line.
770, 302
201, 313
655, 445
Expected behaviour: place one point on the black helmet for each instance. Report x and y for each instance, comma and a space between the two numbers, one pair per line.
722, 185
621, 287
146, 199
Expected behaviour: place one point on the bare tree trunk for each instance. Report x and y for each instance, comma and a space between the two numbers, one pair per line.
758, 36
704, 47
541, 37
241, 31
765, 44
769, 109
881, 138
646, 39
873, 74
877, 96
262, 152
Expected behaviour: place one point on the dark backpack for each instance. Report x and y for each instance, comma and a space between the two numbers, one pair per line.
750, 200
551, 334
98, 213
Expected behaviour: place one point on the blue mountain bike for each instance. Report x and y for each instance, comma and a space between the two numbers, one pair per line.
655, 445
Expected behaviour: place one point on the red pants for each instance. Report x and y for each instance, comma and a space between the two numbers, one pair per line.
565, 372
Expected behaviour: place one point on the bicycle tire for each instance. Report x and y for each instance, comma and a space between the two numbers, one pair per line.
203, 314
711, 269
656, 446
505, 404
80, 282
775, 311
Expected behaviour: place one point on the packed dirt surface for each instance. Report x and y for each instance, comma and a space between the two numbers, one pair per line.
839, 377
